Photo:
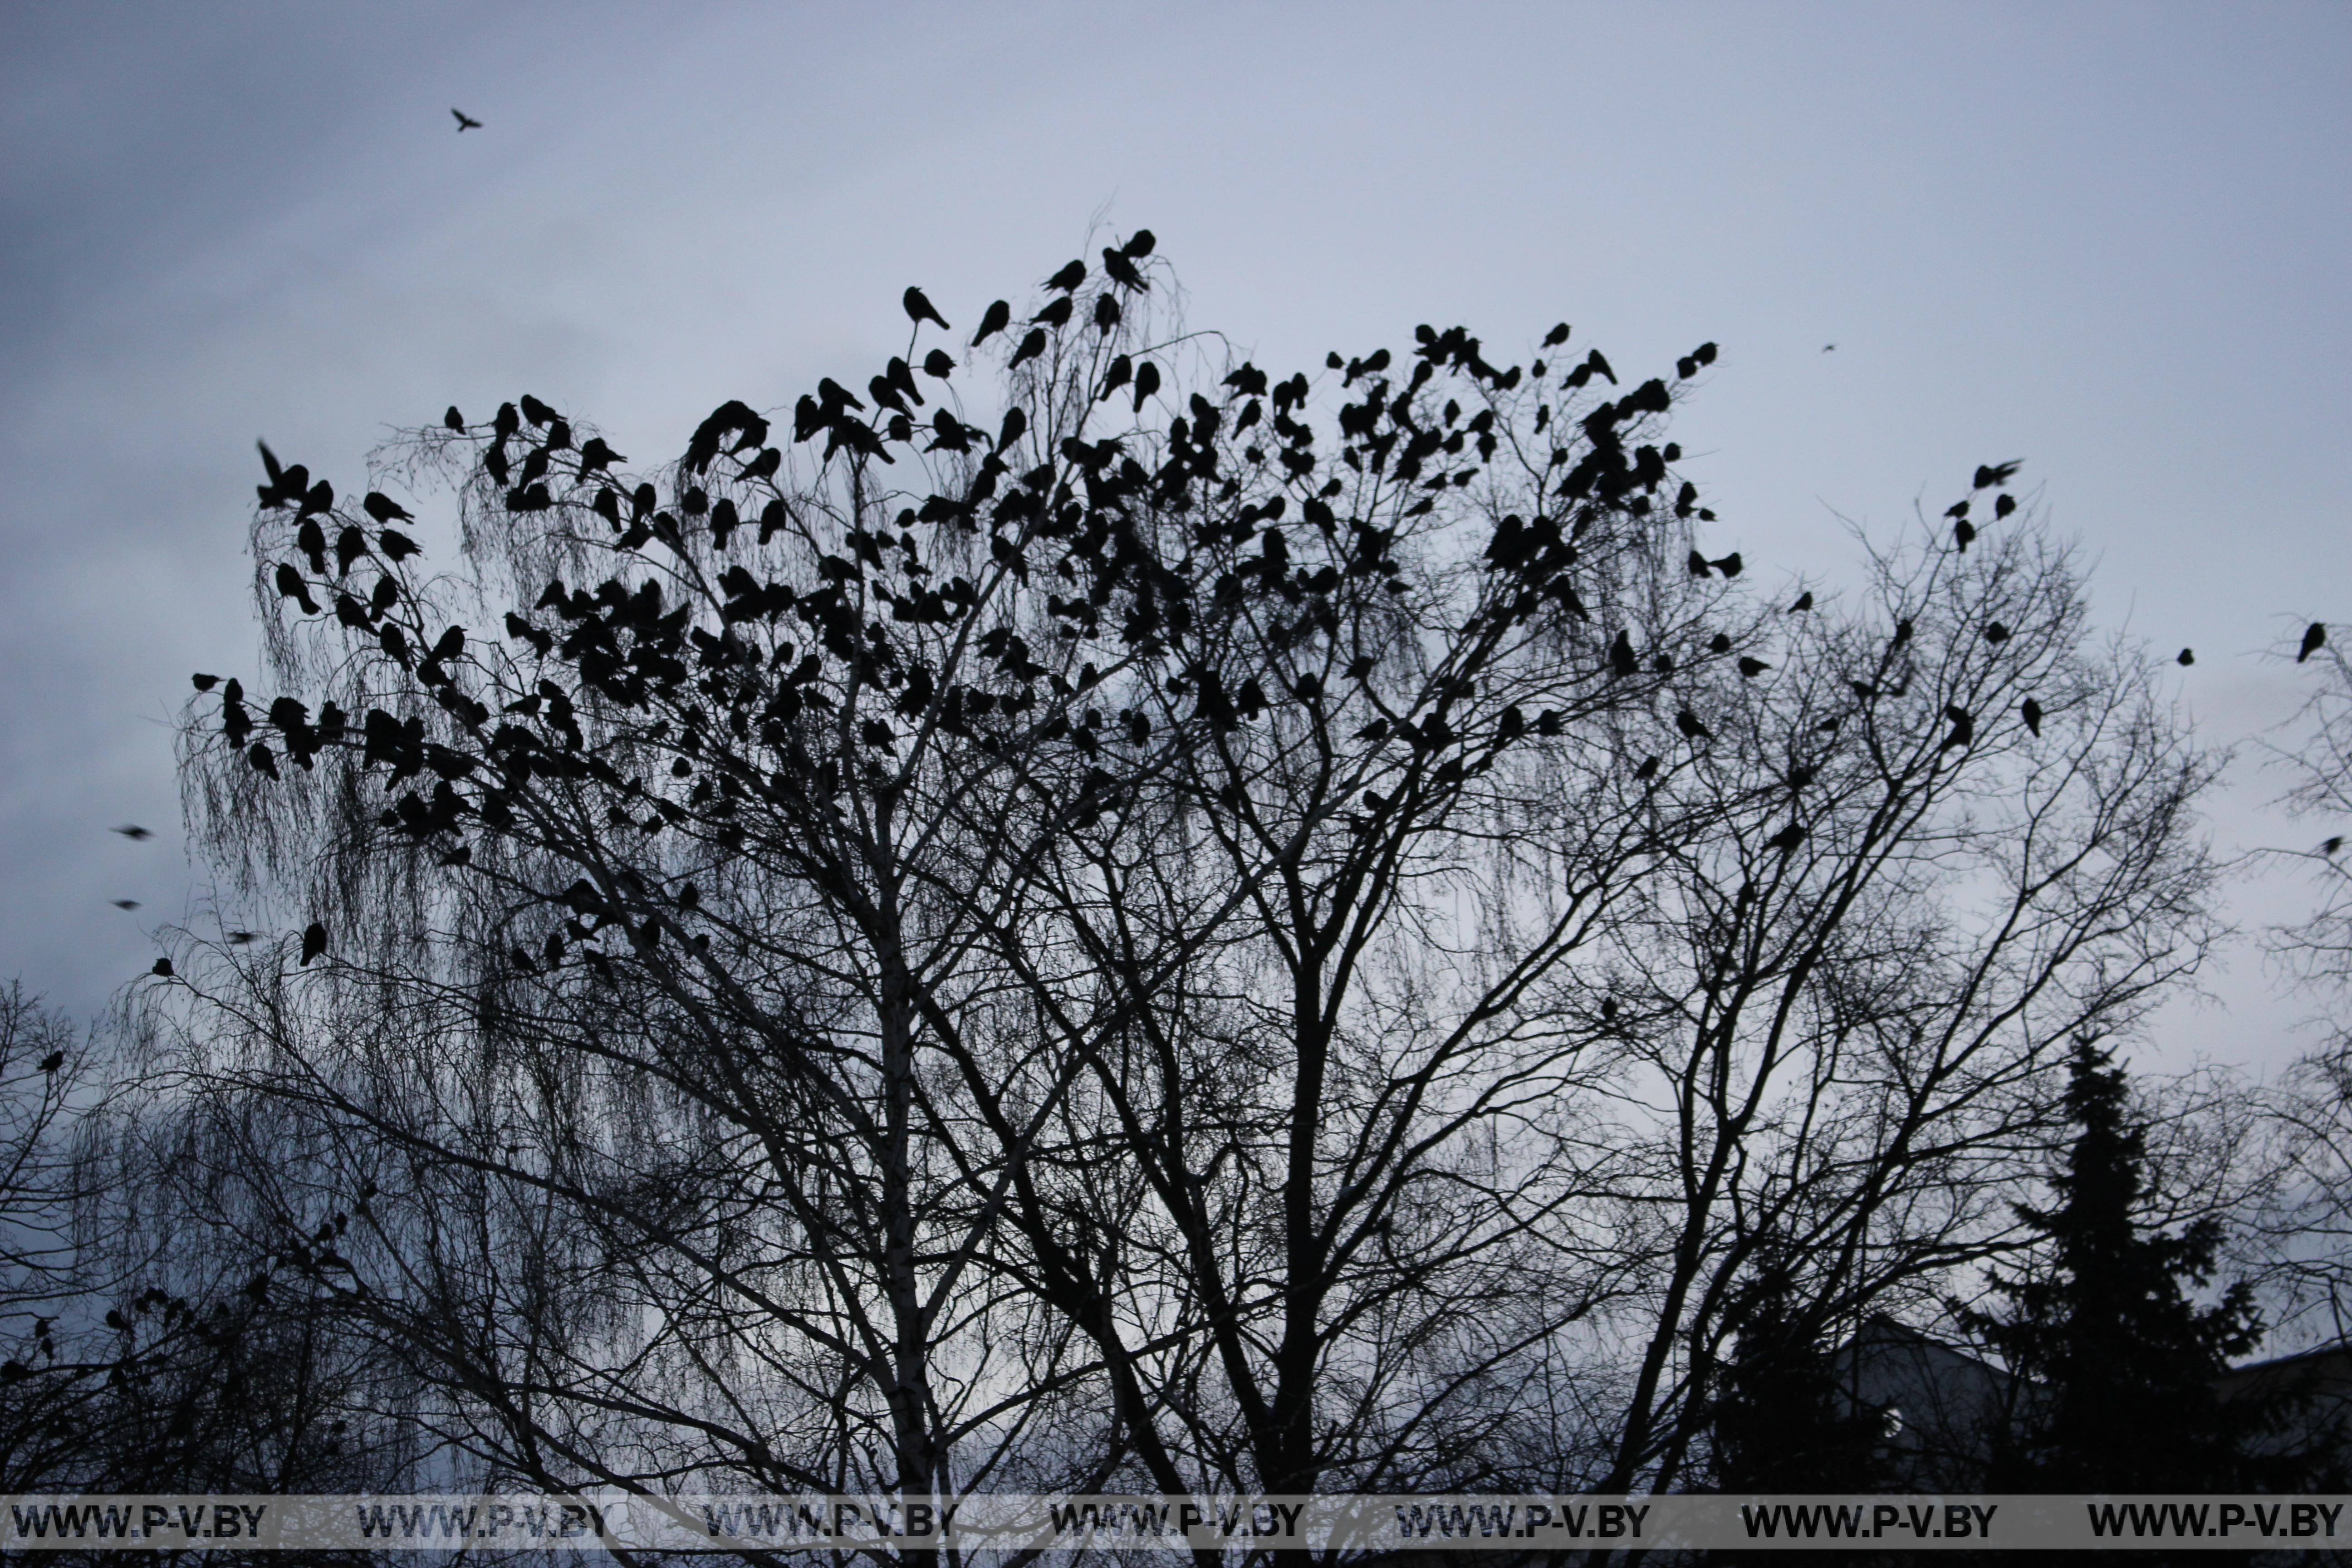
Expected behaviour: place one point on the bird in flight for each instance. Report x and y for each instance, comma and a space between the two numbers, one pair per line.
135, 833
465, 121
1828, 348
126, 903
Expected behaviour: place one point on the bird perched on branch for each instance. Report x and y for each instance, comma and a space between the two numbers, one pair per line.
2314, 637
921, 310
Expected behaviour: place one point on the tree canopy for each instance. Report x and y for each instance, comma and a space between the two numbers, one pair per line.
1091, 914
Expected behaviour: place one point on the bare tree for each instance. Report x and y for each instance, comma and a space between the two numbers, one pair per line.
48, 1179
1948, 835
1194, 929
2304, 1226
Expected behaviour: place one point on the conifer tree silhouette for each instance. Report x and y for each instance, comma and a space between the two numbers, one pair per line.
2118, 1359
1781, 1423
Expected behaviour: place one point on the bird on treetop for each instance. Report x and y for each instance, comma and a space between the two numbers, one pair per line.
2314, 637
919, 310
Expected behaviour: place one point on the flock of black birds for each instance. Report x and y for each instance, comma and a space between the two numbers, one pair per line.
737, 430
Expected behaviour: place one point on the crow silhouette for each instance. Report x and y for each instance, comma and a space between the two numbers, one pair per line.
1031, 347
1122, 269
937, 364
1804, 601
596, 455
53, 1061
292, 586
2314, 637
285, 484
465, 121
1621, 662
133, 832
2185, 657
124, 903
453, 419
314, 942
1749, 668
995, 319
1056, 314
1689, 723
1069, 277
1964, 726
1992, 475
921, 310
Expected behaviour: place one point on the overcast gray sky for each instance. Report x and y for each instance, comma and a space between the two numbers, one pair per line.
2109, 239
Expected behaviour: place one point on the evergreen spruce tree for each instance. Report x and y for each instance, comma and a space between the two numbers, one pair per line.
2119, 1360
1781, 1422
